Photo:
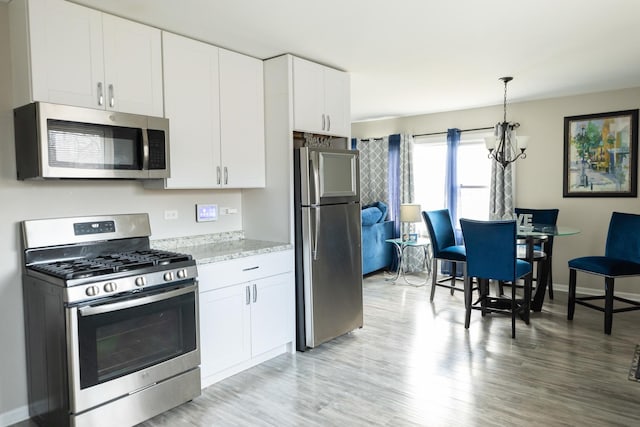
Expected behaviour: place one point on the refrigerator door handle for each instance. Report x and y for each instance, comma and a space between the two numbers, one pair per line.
315, 235
315, 167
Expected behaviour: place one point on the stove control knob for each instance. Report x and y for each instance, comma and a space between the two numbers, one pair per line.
182, 273
168, 276
110, 287
92, 291
141, 281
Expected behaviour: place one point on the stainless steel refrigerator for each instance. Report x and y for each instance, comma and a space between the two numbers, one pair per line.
328, 244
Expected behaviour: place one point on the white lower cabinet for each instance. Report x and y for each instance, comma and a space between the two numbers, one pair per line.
246, 323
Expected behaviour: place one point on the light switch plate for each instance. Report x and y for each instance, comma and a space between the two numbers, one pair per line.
206, 213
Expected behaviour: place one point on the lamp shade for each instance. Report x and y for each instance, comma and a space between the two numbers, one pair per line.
410, 213
490, 142
523, 141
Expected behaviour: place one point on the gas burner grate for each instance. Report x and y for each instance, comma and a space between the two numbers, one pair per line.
109, 263
159, 257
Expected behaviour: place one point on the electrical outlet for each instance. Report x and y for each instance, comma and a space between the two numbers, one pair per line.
171, 214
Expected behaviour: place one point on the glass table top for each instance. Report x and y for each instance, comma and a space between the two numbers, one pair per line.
546, 230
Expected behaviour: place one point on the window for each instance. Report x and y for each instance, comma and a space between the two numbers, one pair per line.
474, 175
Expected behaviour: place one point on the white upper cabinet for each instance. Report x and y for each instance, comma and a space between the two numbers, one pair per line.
214, 100
192, 105
79, 56
320, 99
242, 120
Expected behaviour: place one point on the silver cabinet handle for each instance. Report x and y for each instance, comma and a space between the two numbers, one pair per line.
100, 94
247, 300
328, 122
112, 100
251, 268
218, 174
226, 176
323, 122
255, 292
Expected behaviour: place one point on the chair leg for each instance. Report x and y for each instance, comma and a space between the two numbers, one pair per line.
434, 278
483, 290
453, 276
608, 304
550, 279
526, 305
468, 298
571, 304
513, 310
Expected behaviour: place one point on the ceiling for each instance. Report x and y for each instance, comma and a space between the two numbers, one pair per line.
410, 57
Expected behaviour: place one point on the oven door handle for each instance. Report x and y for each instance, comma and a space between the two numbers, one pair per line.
110, 307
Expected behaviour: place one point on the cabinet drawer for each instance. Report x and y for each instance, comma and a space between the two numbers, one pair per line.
224, 273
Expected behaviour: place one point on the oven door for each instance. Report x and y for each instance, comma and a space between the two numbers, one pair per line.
118, 347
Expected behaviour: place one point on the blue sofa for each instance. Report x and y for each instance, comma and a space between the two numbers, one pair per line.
376, 253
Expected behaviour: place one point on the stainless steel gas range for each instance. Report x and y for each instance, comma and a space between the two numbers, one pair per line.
111, 324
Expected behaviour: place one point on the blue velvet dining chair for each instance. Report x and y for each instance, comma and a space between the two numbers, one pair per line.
492, 255
547, 217
621, 259
444, 247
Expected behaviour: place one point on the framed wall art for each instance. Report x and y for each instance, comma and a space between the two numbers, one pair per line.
601, 155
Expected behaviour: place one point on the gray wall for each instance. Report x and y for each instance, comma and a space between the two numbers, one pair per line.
25, 200
539, 176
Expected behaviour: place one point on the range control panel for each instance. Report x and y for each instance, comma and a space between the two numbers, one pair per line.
82, 228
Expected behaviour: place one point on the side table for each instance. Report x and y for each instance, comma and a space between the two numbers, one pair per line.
400, 246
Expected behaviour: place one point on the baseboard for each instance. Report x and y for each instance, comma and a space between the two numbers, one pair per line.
14, 416
591, 291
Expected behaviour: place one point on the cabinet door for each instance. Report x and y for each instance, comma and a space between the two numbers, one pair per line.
66, 53
308, 96
192, 106
272, 313
133, 67
241, 120
337, 102
225, 334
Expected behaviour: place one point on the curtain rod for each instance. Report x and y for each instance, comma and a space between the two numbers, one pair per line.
445, 132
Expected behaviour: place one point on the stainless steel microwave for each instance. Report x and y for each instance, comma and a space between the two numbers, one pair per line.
60, 141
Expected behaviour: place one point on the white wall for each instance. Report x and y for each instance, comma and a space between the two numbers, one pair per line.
20, 200
539, 176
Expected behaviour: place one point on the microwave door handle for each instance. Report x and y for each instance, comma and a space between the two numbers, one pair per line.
145, 149
116, 306
315, 170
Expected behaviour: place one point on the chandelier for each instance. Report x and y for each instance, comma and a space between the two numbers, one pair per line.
503, 146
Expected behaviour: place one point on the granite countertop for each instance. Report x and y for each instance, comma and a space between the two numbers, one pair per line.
219, 247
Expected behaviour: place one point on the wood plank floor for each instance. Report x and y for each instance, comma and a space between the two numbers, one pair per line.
414, 364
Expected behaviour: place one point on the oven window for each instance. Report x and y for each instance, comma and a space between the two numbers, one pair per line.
117, 343
92, 146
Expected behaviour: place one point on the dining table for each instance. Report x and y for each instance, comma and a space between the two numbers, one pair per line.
538, 233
